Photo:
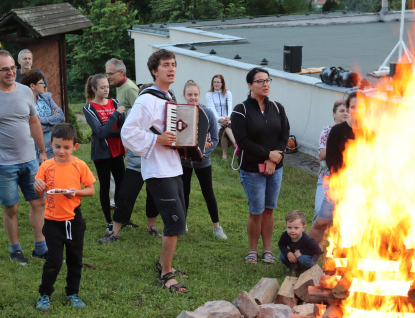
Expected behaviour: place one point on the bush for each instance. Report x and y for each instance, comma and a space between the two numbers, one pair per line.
73, 120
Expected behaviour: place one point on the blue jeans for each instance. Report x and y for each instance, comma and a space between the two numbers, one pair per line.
327, 208
320, 193
304, 261
22, 175
48, 147
261, 190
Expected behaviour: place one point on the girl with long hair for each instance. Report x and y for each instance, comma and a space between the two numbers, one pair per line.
105, 117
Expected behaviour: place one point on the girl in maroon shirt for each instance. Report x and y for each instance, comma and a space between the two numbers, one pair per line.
106, 118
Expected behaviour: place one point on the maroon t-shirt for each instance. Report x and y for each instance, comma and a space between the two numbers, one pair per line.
104, 113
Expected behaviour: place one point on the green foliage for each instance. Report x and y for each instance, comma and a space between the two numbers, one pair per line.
367, 5
329, 6
179, 10
108, 38
73, 120
265, 7
293, 6
235, 9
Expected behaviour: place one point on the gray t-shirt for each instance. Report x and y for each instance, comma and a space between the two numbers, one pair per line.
16, 143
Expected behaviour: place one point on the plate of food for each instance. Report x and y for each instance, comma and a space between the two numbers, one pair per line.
59, 191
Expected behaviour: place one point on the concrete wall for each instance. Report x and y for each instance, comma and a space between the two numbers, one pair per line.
308, 103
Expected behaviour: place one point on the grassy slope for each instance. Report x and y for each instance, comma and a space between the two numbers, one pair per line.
122, 282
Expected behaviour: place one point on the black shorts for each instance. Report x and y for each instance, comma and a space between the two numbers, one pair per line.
169, 198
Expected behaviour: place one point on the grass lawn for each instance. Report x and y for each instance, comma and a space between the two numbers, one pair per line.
121, 282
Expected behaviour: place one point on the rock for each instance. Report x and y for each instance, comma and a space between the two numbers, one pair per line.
275, 311
218, 309
305, 310
188, 314
246, 305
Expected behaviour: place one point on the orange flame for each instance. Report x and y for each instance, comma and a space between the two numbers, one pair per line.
373, 232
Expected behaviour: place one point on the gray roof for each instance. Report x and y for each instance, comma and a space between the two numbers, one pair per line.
44, 21
336, 39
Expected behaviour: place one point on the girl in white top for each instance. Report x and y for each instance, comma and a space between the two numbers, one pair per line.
219, 100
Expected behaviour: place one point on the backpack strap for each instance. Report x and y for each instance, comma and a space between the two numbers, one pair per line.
242, 153
276, 106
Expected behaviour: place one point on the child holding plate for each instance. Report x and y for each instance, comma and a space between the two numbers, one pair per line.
62, 177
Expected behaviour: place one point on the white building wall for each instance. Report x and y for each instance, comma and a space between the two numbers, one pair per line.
308, 103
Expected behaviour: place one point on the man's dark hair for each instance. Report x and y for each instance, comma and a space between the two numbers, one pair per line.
251, 74
155, 58
351, 96
31, 77
65, 131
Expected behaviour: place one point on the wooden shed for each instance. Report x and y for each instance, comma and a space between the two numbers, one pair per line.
42, 30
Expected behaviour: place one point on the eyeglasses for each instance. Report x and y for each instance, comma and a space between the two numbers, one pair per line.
111, 74
41, 83
8, 69
262, 82
217, 82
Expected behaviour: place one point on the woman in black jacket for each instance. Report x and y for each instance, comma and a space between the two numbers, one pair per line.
106, 118
261, 130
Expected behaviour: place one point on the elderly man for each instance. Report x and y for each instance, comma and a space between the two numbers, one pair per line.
19, 126
25, 59
132, 183
127, 90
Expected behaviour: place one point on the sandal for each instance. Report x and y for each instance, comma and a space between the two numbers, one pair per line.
270, 259
251, 259
176, 271
173, 288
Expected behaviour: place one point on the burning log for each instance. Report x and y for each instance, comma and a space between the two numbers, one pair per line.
328, 281
333, 311
341, 291
411, 293
318, 295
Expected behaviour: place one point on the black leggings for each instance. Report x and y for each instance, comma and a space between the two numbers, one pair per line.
104, 169
204, 175
130, 189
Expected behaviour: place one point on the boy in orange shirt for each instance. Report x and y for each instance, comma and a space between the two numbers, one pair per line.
62, 177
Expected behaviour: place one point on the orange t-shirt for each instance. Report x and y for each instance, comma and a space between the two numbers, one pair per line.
70, 175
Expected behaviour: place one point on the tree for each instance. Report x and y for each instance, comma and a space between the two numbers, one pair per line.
179, 10
108, 38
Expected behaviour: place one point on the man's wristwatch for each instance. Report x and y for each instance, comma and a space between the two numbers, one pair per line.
43, 151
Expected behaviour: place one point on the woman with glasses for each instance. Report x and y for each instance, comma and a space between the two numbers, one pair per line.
219, 100
261, 130
48, 112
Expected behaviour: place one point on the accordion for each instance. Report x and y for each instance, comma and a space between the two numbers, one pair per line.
190, 125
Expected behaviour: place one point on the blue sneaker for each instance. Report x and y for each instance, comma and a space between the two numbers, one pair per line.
74, 301
43, 303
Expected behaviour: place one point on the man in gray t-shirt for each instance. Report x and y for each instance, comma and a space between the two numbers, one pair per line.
20, 129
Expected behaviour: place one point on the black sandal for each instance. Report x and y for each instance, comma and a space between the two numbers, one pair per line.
173, 288
176, 272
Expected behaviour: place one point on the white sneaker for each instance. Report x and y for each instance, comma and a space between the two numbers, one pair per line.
218, 232
187, 230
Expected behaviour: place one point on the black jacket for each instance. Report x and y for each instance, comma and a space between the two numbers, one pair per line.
257, 134
99, 145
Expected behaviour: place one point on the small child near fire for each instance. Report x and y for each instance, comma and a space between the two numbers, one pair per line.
298, 250
63, 176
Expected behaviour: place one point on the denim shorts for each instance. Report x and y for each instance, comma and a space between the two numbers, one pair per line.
22, 175
327, 208
261, 190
